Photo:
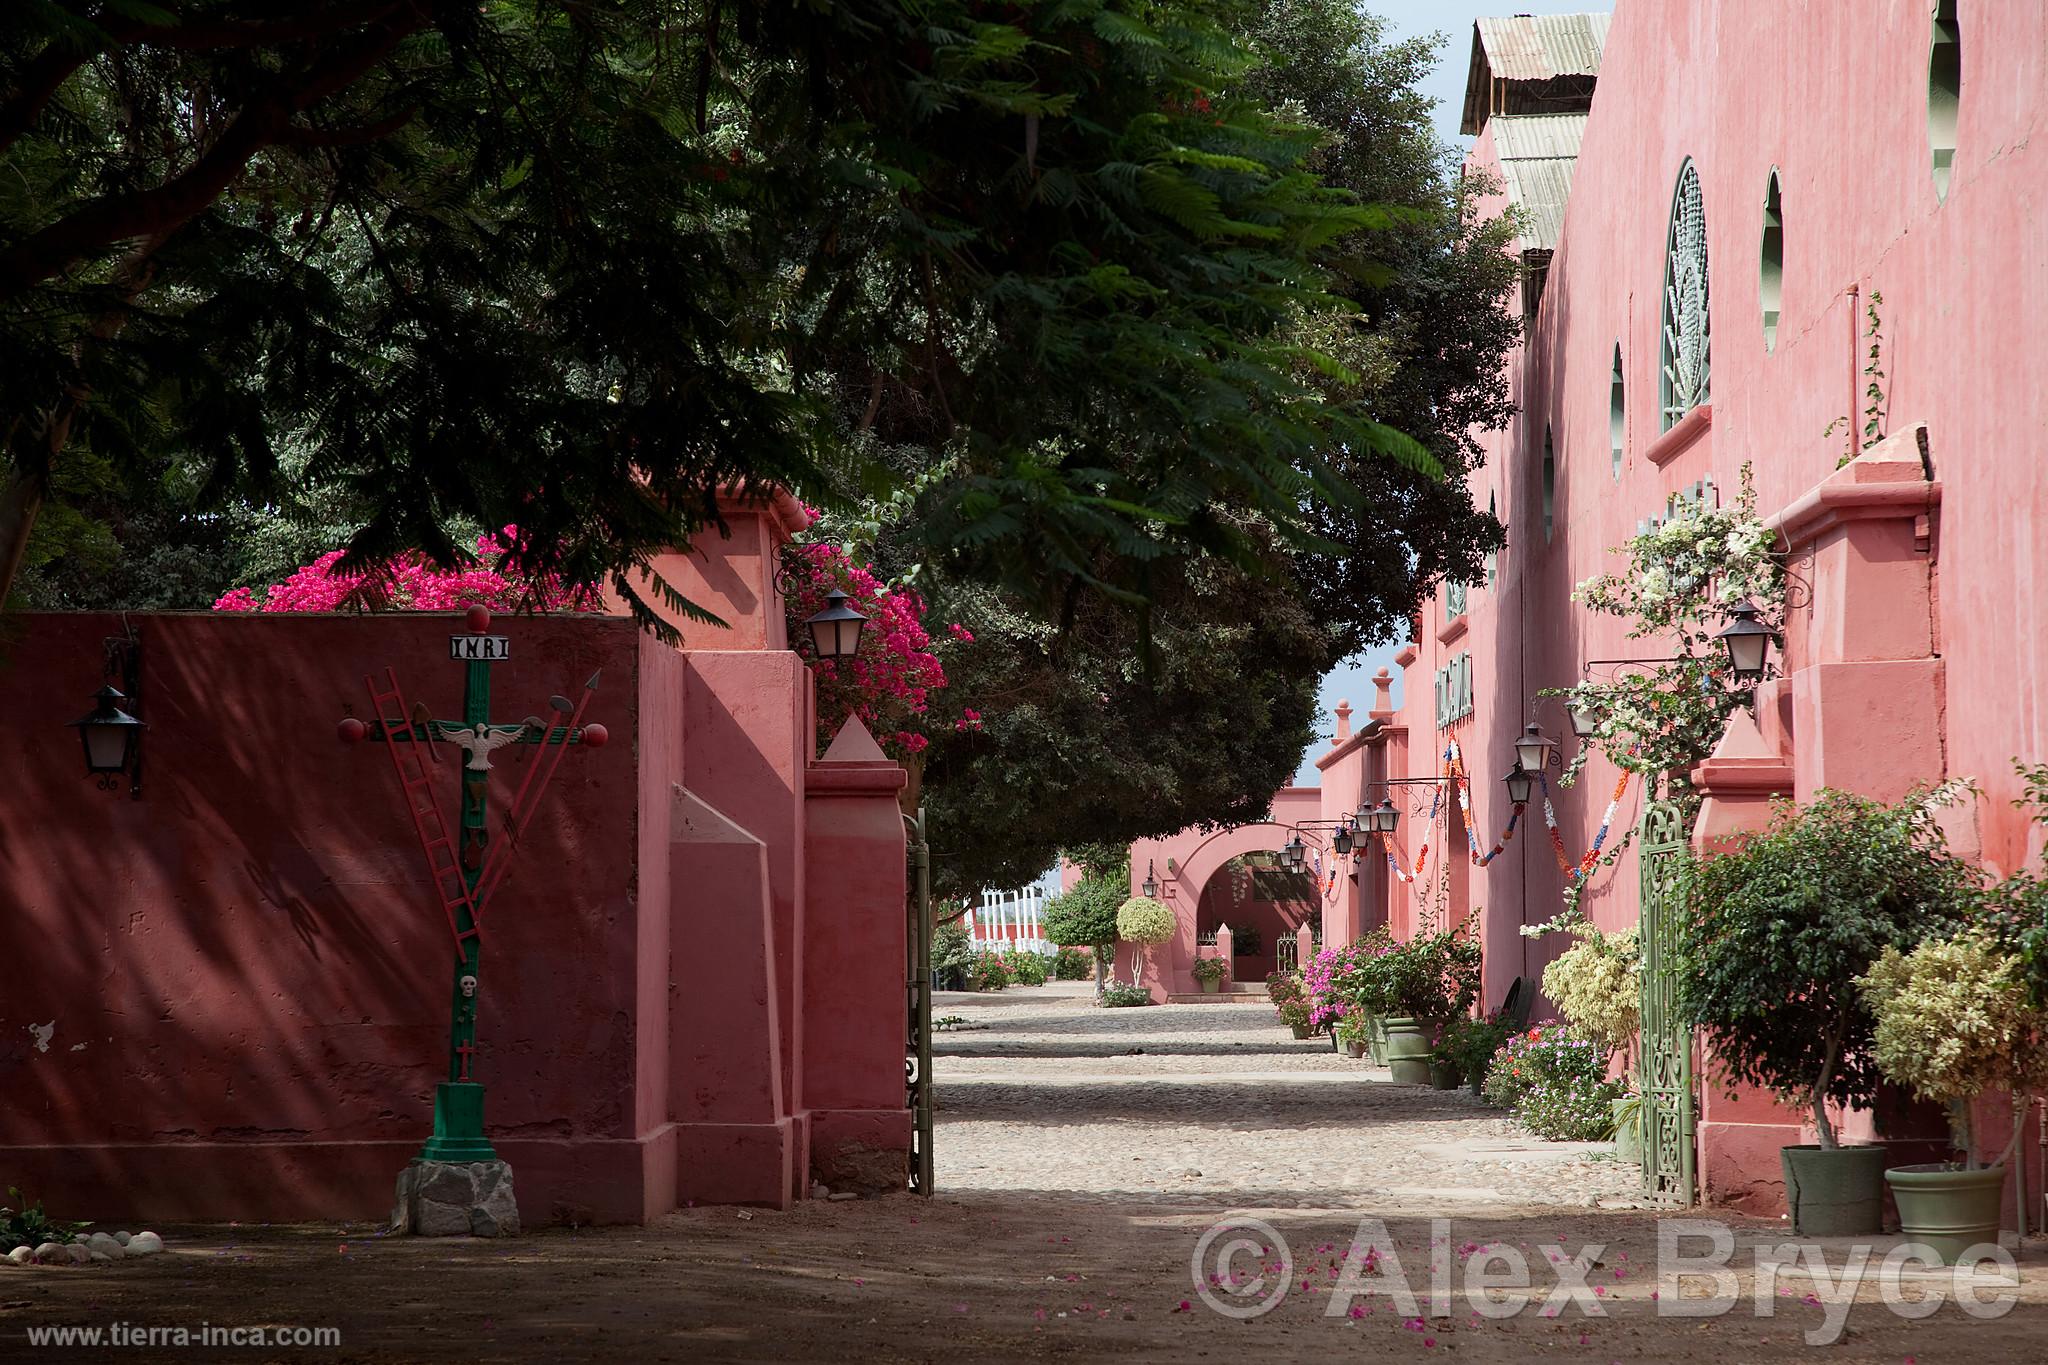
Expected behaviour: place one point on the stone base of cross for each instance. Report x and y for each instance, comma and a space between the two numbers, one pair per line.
465, 874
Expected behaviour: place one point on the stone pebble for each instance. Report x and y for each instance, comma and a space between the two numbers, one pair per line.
99, 1248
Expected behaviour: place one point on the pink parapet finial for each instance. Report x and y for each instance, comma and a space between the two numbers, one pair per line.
351, 730
1383, 695
1343, 724
478, 618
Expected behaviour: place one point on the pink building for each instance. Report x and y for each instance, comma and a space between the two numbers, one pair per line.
231, 994
1710, 195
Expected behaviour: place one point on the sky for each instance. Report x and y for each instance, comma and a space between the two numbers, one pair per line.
1352, 680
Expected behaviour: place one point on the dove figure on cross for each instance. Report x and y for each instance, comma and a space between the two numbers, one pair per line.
478, 740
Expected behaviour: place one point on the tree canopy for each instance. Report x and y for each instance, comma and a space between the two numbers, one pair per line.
584, 269
1144, 338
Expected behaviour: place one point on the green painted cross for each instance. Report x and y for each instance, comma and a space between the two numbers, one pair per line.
466, 874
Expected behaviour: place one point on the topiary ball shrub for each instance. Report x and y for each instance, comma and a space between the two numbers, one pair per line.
1145, 921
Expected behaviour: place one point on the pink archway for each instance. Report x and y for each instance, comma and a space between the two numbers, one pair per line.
1184, 864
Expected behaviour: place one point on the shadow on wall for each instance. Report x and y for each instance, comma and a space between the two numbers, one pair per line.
251, 952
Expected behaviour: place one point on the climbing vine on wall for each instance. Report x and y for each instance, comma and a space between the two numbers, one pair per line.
1659, 719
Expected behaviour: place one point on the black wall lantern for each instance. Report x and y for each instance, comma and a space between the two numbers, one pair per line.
112, 739
835, 631
1533, 748
1294, 854
1150, 886
1585, 720
1386, 817
111, 733
1340, 842
1521, 784
1748, 642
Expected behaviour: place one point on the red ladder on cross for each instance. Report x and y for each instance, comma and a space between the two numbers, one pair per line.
444, 865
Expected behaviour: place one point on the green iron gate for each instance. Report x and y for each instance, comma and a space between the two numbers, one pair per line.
1666, 1079
917, 1046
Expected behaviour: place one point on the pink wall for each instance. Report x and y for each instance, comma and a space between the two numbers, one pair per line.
245, 973
1743, 89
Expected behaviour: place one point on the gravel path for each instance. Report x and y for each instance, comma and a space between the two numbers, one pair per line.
1040, 1090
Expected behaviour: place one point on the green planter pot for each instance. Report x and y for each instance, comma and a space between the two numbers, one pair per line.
1835, 1194
1476, 1084
1407, 1047
1628, 1133
1376, 1039
1445, 1076
1949, 1210
1211, 987
1301, 1031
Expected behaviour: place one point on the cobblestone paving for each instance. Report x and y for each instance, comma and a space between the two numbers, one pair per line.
1039, 1090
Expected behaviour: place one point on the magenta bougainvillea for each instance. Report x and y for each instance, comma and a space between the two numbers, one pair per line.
411, 583
892, 686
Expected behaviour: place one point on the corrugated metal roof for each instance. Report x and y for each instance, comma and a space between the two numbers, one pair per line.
1542, 47
1537, 152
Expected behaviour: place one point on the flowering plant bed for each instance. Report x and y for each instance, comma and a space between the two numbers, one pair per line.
1555, 1079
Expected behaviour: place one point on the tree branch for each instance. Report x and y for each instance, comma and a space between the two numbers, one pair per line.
104, 222
362, 135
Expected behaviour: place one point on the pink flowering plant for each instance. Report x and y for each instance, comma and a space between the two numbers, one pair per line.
414, 583
1338, 979
893, 683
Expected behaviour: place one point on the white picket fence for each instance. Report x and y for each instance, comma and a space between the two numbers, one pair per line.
1011, 919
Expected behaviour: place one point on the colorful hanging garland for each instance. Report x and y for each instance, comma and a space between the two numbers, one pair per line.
1463, 781
1401, 874
1584, 867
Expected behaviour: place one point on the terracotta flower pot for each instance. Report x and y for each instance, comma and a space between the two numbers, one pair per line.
1948, 1208
1356, 1047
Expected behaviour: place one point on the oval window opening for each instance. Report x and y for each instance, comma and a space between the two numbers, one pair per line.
1773, 266
1944, 92
1617, 413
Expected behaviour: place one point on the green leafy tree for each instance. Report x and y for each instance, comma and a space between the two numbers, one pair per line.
1777, 930
1084, 916
584, 269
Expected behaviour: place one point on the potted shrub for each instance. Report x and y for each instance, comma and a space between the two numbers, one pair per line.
1444, 1071
1424, 983
1953, 1021
1775, 934
1290, 1001
1342, 982
1350, 1032
1209, 972
1144, 923
1471, 1044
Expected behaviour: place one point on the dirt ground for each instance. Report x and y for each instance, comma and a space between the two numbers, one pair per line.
1046, 1243
981, 1277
